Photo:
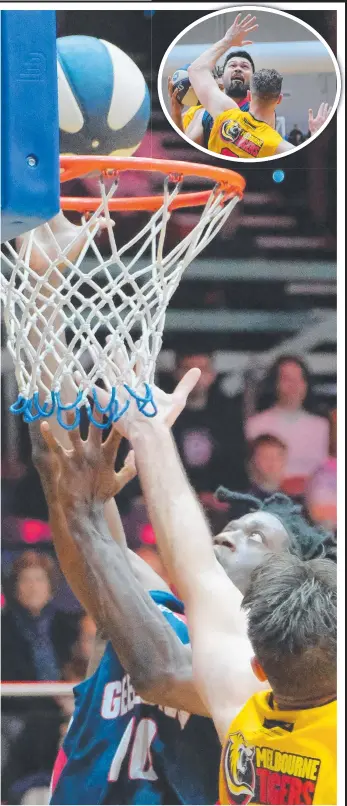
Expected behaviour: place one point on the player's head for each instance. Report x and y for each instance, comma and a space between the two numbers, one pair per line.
292, 614
275, 525
237, 73
266, 88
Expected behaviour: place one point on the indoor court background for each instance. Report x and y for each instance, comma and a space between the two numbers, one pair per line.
267, 282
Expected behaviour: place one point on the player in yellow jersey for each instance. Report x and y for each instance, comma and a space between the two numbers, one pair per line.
291, 626
244, 135
233, 79
281, 747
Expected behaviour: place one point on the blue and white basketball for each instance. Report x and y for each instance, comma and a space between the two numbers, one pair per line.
104, 103
180, 80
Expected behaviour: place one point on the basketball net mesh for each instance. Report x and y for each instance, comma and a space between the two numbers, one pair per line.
127, 300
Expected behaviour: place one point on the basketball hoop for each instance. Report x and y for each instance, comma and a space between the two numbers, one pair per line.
126, 293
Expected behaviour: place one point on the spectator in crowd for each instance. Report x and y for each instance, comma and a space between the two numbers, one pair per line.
289, 419
209, 432
81, 651
36, 638
266, 466
296, 136
321, 489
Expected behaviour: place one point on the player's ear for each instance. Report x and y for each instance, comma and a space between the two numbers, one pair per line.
280, 99
258, 670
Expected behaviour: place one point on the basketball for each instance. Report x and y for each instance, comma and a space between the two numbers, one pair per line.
103, 99
180, 81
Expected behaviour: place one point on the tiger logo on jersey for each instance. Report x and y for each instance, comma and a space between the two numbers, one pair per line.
238, 767
231, 131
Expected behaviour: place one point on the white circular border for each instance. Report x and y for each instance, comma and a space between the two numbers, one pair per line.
246, 8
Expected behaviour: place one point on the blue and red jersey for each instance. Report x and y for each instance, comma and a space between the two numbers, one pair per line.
121, 750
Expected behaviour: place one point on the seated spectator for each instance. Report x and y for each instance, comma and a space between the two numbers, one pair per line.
296, 136
209, 432
266, 466
36, 638
306, 435
81, 651
321, 489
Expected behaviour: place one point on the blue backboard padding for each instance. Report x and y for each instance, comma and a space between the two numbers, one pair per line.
29, 121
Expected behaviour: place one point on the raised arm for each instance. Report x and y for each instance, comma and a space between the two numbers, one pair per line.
314, 124
77, 483
200, 71
218, 629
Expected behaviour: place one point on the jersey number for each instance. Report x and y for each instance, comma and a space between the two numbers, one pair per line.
137, 740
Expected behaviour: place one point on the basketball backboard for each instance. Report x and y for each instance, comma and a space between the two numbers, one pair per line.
29, 121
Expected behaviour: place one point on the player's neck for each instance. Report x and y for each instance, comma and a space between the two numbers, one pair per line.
284, 702
263, 112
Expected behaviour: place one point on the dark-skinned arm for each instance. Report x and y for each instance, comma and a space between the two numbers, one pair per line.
76, 485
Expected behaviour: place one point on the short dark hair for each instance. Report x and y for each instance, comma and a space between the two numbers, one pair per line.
266, 84
265, 439
240, 54
33, 559
306, 541
292, 623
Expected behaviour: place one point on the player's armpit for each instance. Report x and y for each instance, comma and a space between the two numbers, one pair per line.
283, 147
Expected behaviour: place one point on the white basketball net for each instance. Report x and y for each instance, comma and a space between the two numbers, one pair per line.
126, 295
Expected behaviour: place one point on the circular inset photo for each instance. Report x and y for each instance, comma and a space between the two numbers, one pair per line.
249, 83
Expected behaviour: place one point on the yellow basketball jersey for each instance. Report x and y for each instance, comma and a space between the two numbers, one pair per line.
239, 134
274, 757
188, 116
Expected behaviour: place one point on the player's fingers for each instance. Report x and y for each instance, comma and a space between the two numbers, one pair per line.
126, 474
95, 433
310, 115
52, 444
110, 447
249, 20
251, 28
129, 461
236, 20
187, 383
245, 19
247, 41
74, 434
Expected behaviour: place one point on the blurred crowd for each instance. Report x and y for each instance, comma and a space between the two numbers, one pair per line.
283, 445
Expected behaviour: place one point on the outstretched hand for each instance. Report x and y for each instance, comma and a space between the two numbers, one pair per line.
235, 35
84, 474
169, 406
314, 124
